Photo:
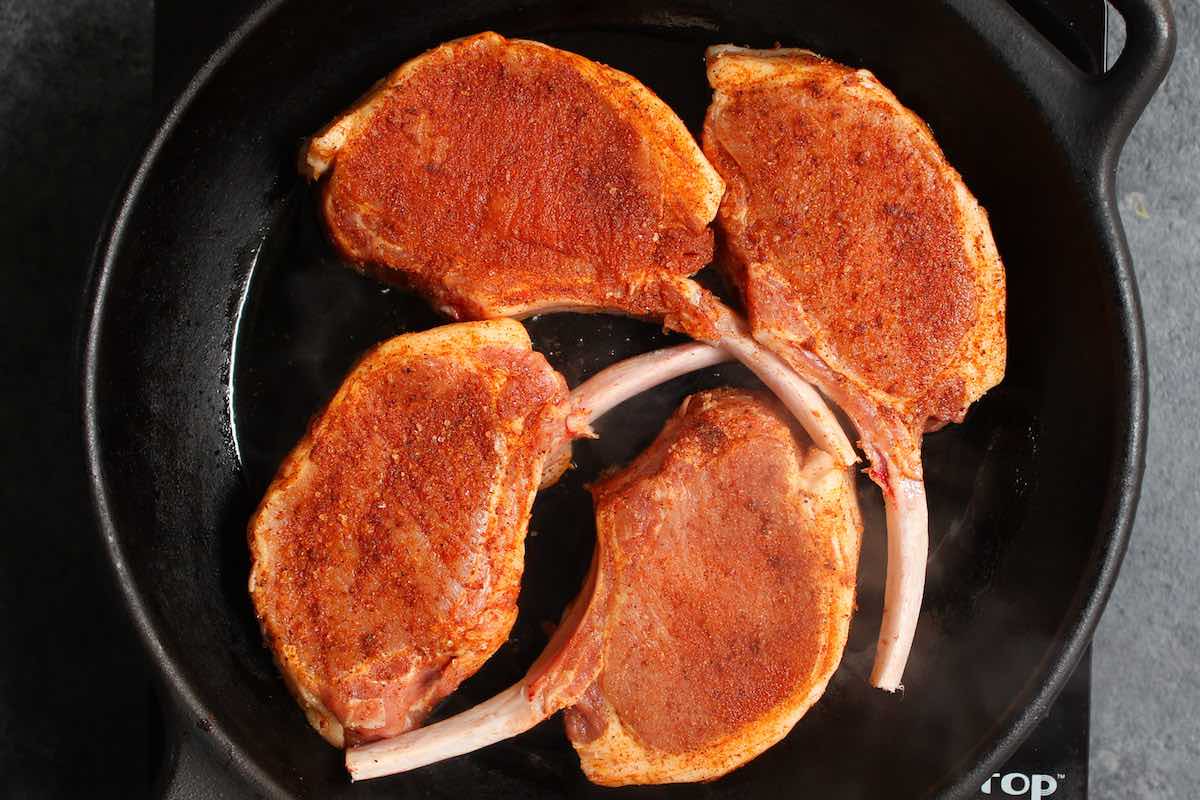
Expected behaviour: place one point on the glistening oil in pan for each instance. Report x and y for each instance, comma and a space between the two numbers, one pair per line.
306, 319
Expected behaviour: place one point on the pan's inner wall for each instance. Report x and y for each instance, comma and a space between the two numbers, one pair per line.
228, 321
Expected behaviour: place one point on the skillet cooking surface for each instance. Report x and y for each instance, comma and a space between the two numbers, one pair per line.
223, 320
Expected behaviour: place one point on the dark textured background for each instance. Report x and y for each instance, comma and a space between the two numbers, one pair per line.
75, 105
75, 80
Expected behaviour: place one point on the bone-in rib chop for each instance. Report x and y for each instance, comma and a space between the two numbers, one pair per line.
716, 608
503, 178
866, 264
387, 553
734, 604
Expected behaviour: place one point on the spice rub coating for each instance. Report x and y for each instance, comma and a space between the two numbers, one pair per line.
739, 544
851, 237
504, 178
388, 550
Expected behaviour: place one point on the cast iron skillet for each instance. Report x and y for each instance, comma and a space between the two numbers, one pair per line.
220, 320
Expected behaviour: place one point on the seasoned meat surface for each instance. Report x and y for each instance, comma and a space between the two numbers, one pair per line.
738, 546
504, 177
388, 550
852, 239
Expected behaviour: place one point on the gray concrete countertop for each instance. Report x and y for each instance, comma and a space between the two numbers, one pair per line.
1145, 685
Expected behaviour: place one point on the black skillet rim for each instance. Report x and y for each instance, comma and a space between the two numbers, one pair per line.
1123, 492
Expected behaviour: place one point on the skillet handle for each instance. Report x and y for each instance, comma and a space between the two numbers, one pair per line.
1121, 93
1093, 114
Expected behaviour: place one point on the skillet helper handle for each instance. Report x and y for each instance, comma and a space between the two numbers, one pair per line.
1092, 114
1121, 93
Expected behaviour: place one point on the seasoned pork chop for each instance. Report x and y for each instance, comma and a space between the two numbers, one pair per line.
503, 178
388, 551
740, 545
866, 264
715, 611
